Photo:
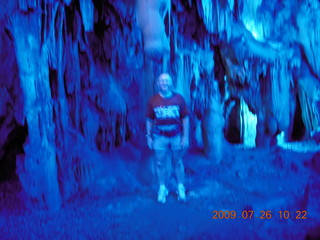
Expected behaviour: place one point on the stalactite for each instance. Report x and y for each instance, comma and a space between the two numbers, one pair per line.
24, 5
72, 70
309, 32
207, 8
67, 2
151, 22
87, 13
181, 77
90, 121
216, 16
310, 112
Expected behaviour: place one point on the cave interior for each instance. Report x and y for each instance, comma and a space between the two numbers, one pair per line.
76, 75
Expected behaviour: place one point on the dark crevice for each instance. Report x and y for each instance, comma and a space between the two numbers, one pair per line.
12, 147
299, 129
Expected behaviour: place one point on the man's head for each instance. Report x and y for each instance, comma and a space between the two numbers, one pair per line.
164, 83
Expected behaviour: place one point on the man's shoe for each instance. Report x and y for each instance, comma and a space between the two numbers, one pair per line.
162, 194
181, 193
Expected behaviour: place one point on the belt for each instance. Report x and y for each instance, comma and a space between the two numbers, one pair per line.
170, 133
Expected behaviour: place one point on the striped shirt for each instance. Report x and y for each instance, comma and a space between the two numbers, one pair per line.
167, 113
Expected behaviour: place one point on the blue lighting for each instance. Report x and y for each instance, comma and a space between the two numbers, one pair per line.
232, 153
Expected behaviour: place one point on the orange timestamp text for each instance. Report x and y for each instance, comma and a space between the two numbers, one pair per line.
250, 214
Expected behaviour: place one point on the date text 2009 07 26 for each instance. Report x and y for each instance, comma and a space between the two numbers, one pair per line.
250, 214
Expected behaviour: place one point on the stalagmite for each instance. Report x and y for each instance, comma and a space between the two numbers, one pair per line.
212, 127
248, 123
280, 89
37, 170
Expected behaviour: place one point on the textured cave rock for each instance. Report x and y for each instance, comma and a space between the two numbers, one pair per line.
77, 75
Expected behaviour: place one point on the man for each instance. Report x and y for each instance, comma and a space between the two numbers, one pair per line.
167, 128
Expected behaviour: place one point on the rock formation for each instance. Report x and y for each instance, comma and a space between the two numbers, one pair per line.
77, 74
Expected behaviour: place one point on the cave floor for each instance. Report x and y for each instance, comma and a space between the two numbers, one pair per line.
248, 181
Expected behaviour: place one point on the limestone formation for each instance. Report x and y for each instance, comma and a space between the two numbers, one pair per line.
79, 73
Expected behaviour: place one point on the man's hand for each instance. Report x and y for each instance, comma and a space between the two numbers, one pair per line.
185, 135
184, 142
150, 142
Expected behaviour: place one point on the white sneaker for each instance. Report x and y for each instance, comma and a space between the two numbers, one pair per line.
181, 193
162, 194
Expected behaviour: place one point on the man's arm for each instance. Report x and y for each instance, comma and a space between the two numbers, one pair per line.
149, 125
185, 132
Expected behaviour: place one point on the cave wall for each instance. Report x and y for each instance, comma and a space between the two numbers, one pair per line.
77, 74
